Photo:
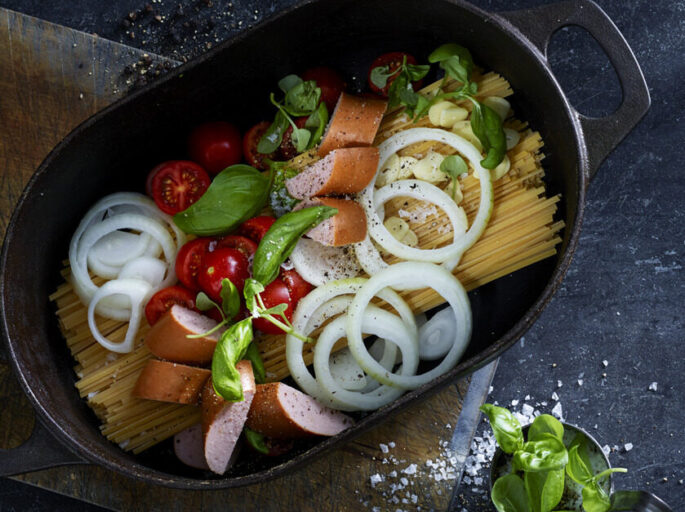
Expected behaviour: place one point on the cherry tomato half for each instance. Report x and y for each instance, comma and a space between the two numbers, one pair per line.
287, 149
250, 143
218, 265
215, 146
243, 244
162, 301
393, 60
189, 261
274, 294
176, 184
256, 227
329, 81
297, 286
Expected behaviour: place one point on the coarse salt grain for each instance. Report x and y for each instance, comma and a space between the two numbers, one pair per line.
558, 411
628, 446
652, 386
383, 447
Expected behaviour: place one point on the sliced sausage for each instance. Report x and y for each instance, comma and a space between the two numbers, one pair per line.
167, 338
222, 421
340, 172
283, 412
348, 226
170, 382
354, 122
189, 447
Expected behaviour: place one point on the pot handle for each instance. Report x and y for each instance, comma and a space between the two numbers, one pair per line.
40, 451
601, 134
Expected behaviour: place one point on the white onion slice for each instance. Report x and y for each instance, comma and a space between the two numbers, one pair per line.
375, 321
346, 371
137, 292
411, 275
150, 270
114, 250
437, 335
387, 355
368, 257
319, 264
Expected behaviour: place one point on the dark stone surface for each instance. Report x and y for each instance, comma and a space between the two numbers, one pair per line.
623, 298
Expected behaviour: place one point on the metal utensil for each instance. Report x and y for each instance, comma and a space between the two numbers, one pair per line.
637, 501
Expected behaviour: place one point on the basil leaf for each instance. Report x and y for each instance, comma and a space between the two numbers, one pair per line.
278, 309
316, 124
302, 99
506, 427
300, 138
280, 200
545, 424
204, 303
454, 166
380, 74
250, 290
454, 68
230, 298
595, 498
453, 58
280, 240
256, 440
401, 83
577, 469
545, 454
544, 489
236, 194
509, 494
229, 350
417, 71
273, 136
289, 82
487, 126
252, 355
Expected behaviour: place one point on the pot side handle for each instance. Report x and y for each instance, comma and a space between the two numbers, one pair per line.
601, 134
40, 451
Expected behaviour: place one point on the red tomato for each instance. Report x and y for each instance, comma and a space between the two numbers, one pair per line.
176, 184
329, 81
162, 301
297, 286
189, 261
276, 293
250, 142
215, 146
287, 149
256, 227
218, 265
393, 60
243, 244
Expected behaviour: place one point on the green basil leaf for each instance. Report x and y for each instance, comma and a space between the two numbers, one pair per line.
545, 424
278, 309
280, 200
506, 427
251, 288
229, 350
417, 71
455, 69
545, 454
280, 240
580, 440
273, 136
230, 298
255, 440
460, 61
509, 494
454, 166
396, 87
604, 474
236, 194
577, 469
316, 124
544, 489
302, 99
595, 498
380, 74
289, 82
300, 138
487, 126
204, 303
252, 355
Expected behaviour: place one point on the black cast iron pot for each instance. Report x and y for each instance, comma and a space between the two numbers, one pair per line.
114, 149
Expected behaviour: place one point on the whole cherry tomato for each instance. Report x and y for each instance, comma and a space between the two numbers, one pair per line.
329, 81
250, 143
256, 227
176, 184
162, 301
218, 265
297, 286
189, 261
243, 244
393, 60
287, 149
274, 294
215, 146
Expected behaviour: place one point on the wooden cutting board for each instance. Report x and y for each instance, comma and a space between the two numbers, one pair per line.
51, 79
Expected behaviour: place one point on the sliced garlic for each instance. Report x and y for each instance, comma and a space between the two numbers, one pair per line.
449, 116
436, 111
463, 129
410, 239
397, 227
428, 168
513, 137
499, 105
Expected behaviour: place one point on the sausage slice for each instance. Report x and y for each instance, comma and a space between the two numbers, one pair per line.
170, 382
340, 172
167, 338
222, 421
283, 412
189, 447
348, 226
354, 122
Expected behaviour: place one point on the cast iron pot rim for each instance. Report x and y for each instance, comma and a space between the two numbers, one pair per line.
98, 454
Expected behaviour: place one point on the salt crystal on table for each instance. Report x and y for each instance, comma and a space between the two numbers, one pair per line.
514, 403
559, 384
605, 363
628, 446
384, 447
606, 449
410, 470
375, 479
527, 410
580, 382
392, 474
391, 444
652, 386
404, 481
557, 411
555, 397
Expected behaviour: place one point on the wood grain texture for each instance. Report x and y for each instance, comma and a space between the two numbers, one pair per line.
52, 78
